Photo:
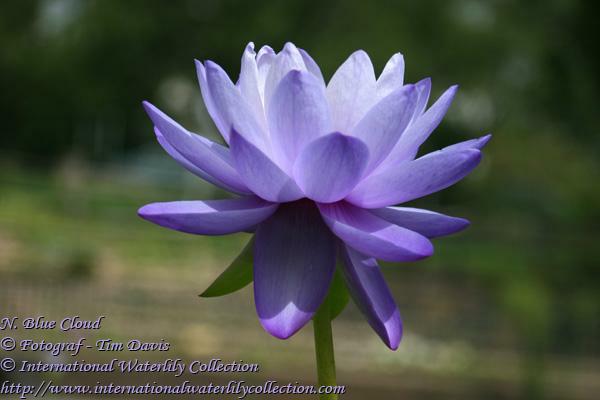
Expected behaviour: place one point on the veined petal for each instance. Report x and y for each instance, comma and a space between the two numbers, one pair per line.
351, 91
285, 61
371, 294
392, 77
298, 114
425, 222
294, 262
384, 123
249, 85
413, 179
312, 66
408, 145
330, 166
210, 157
210, 217
232, 108
374, 236
185, 163
260, 173
478, 143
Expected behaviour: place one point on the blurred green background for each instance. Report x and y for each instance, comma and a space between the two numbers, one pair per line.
509, 309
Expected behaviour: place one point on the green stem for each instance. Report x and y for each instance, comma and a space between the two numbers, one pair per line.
324, 350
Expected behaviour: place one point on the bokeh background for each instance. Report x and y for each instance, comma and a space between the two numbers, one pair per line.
509, 309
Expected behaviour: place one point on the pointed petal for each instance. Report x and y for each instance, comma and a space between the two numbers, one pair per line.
374, 236
261, 174
210, 157
478, 143
413, 179
312, 66
330, 166
210, 217
209, 103
249, 85
416, 134
294, 262
392, 77
351, 91
285, 61
298, 114
425, 222
423, 88
185, 163
232, 108
384, 123
371, 294
264, 60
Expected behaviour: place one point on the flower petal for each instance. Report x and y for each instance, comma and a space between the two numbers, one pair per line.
260, 173
392, 77
351, 91
232, 109
384, 123
249, 85
298, 114
371, 294
285, 61
209, 103
210, 157
408, 145
413, 179
425, 222
423, 88
374, 236
312, 66
330, 166
294, 262
185, 163
210, 217
264, 60
478, 143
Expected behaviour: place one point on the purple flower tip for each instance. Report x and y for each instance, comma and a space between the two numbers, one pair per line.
483, 141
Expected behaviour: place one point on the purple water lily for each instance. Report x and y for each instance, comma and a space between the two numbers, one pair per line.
318, 169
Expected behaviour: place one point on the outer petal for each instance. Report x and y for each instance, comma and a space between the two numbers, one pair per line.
212, 158
185, 163
294, 262
351, 91
209, 103
478, 143
392, 77
312, 66
260, 173
384, 123
372, 296
249, 85
374, 236
408, 145
425, 222
285, 61
413, 179
232, 108
298, 114
330, 166
423, 88
211, 217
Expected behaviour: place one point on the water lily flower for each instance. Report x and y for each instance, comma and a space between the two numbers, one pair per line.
318, 170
